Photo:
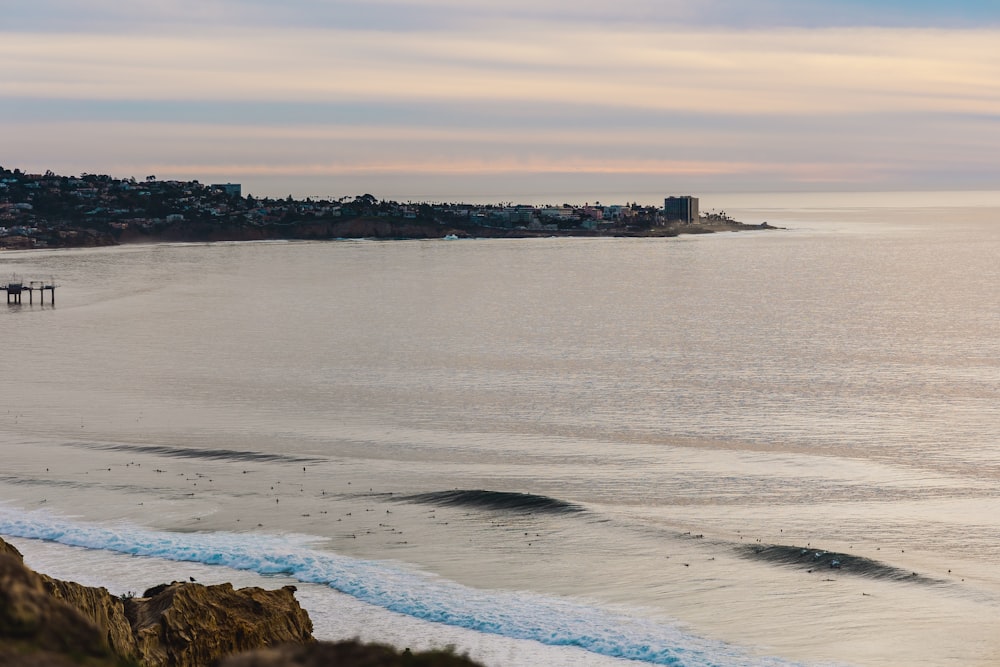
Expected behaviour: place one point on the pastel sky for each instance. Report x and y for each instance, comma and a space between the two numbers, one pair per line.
459, 99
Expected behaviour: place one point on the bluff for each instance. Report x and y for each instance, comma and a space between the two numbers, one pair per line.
100, 608
185, 625
47, 621
37, 629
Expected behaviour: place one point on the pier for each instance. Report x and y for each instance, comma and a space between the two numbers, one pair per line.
15, 287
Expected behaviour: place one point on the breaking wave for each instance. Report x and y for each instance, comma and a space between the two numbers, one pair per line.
518, 615
818, 559
211, 454
495, 500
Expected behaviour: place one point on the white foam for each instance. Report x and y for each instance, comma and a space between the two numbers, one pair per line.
519, 616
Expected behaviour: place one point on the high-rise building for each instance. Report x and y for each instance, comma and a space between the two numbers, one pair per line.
684, 209
231, 189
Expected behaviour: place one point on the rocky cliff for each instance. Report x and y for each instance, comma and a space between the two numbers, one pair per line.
184, 624
10, 550
175, 625
102, 609
37, 629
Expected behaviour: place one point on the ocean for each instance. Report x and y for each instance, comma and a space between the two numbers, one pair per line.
775, 447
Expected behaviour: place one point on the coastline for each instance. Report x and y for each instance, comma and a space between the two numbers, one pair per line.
389, 229
53, 211
59, 622
380, 229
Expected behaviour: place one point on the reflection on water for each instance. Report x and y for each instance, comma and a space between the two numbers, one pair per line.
831, 387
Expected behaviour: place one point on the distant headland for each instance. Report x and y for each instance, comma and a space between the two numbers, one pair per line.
54, 211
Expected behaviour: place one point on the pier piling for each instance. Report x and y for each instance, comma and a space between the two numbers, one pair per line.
16, 287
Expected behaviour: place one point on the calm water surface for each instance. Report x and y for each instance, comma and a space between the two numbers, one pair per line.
643, 412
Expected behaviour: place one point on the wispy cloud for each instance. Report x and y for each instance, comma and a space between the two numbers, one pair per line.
780, 72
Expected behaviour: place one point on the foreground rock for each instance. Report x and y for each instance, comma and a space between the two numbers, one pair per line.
11, 550
39, 629
103, 610
182, 624
45, 622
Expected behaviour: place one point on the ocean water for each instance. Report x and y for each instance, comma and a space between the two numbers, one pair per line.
757, 448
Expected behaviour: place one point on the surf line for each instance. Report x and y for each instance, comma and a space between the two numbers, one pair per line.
527, 616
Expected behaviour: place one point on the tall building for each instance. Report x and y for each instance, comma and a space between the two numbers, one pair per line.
683, 208
231, 189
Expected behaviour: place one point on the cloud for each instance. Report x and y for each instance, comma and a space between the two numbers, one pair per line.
781, 72
866, 151
483, 88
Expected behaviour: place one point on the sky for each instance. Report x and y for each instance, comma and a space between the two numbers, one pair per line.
463, 99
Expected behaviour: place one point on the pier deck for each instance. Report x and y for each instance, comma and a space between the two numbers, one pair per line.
15, 287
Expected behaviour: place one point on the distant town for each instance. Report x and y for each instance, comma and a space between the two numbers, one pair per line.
53, 211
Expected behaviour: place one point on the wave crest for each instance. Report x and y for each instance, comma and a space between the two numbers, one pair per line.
807, 557
495, 500
211, 454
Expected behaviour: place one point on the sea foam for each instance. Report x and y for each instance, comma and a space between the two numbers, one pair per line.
526, 616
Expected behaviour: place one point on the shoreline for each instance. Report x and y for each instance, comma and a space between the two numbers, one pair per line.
400, 230
53, 211
60, 622
382, 230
